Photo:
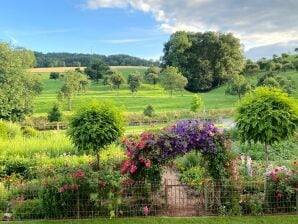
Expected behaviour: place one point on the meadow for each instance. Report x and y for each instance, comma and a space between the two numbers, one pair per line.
147, 94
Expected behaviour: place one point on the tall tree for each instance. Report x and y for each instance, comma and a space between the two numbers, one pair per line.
238, 86
267, 115
151, 75
117, 79
97, 70
72, 85
171, 79
18, 88
206, 59
134, 82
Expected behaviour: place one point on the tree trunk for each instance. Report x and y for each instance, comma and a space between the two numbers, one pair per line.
266, 156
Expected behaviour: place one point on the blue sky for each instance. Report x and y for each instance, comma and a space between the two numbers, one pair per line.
68, 26
141, 27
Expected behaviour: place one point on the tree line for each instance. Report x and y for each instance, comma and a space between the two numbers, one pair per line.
84, 60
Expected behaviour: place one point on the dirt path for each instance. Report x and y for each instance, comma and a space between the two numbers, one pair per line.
179, 199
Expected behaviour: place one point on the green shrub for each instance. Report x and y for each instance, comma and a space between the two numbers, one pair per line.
149, 111
96, 126
13, 130
28, 209
4, 195
55, 114
193, 176
3, 130
29, 132
16, 165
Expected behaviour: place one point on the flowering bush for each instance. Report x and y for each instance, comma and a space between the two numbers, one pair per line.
142, 163
282, 184
152, 150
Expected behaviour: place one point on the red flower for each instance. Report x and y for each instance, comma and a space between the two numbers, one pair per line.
102, 183
125, 166
276, 170
80, 173
133, 169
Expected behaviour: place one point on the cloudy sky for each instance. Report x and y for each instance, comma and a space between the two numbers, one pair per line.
140, 27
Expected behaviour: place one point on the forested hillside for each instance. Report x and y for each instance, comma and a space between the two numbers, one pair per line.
78, 60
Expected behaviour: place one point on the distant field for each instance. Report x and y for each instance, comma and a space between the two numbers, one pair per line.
65, 69
161, 100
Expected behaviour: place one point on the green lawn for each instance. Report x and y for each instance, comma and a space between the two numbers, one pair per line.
161, 100
199, 220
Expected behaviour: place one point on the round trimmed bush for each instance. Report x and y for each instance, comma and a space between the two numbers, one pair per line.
95, 126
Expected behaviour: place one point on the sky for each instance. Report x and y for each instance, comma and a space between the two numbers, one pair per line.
141, 27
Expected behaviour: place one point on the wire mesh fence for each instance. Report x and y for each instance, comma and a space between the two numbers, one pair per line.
169, 198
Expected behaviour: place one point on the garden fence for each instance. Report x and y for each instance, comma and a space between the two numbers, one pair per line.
170, 198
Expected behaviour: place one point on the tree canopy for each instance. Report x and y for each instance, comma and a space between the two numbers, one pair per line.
17, 87
206, 59
267, 115
134, 82
171, 79
97, 70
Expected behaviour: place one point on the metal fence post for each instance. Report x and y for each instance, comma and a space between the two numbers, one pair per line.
296, 200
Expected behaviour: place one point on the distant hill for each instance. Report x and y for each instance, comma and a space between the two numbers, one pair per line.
83, 60
267, 51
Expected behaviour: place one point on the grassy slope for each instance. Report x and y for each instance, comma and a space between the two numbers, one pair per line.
162, 101
201, 220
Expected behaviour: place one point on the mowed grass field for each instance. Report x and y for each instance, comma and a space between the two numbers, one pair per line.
147, 94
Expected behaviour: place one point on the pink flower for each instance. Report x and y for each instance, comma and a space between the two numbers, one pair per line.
80, 173
146, 210
125, 166
279, 195
133, 169
148, 164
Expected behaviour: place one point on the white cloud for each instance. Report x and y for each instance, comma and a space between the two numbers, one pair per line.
256, 22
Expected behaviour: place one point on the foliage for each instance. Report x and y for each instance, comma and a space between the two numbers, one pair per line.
74, 82
97, 70
238, 86
177, 140
29, 132
171, 79
281, 186
193, 177
76, 60
134, 82
55, 114
252, 204
278, 113
295, 63
151, 75
17, 87
206, 59
277, 81
95, 126
149, 111
251, 68
196, 103
117, 79
28, 209
54, 75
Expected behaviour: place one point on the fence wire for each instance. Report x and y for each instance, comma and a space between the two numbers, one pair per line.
170, 198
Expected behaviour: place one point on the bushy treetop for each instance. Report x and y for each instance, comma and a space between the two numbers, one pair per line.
267, 115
